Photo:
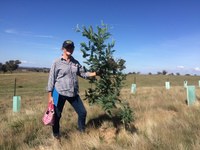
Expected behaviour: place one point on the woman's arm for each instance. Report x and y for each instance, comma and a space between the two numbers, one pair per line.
51, 82
52, 78
83, 73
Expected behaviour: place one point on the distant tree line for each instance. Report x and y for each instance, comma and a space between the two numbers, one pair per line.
12, 65
164, 72
33, 69
134, 73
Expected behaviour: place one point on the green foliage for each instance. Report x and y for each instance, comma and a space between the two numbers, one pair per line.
3, 68
10, 65
99, 58
126, 114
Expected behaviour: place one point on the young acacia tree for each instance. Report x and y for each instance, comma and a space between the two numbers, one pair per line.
98, 54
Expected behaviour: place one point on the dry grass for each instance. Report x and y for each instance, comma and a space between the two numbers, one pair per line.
162, 119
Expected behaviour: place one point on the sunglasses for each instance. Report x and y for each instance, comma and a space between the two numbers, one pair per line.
71, 47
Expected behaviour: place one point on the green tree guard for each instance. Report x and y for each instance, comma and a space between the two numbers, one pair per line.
16, 103
167, 85
133, 88
191, 95
99, 58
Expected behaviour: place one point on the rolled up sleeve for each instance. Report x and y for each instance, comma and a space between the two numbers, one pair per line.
82, 72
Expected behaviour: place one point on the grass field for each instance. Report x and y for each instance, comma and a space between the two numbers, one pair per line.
162, 118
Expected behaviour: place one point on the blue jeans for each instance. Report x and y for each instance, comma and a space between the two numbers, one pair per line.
78, 106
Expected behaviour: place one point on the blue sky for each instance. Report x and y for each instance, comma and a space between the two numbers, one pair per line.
151, 35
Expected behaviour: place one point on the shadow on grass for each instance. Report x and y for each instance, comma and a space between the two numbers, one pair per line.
98, 121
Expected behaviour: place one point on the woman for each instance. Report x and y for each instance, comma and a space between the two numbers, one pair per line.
63, 85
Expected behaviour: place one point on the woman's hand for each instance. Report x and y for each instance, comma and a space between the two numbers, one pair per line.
50, 98
92, 74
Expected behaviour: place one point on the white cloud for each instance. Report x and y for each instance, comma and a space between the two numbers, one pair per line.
197, 69
27, 62
24, 61
180, 67
11, 31
44, 36
25, 33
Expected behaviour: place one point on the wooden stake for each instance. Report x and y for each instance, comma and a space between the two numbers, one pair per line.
15, 87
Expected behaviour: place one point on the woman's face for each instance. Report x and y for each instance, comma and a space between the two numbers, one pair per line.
68, 51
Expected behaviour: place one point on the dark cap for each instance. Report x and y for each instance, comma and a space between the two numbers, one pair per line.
68, 44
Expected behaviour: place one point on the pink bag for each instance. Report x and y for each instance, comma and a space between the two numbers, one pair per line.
48, 118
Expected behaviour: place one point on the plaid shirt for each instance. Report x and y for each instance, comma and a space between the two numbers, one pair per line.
63, 76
